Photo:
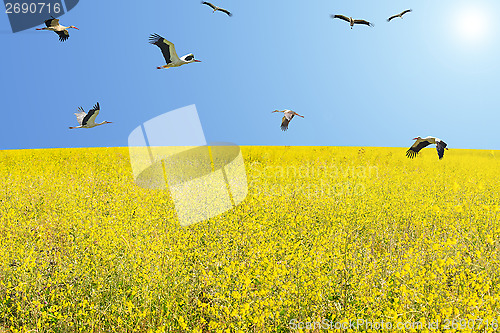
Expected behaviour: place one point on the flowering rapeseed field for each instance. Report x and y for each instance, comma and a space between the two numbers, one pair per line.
326, 235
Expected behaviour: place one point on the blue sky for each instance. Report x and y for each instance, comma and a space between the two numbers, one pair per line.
436, 72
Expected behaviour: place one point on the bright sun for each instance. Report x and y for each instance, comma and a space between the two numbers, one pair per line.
471, 24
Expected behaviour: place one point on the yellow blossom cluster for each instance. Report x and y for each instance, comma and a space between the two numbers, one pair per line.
326, 235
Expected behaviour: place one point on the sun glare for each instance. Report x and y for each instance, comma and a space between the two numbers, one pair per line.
471, 25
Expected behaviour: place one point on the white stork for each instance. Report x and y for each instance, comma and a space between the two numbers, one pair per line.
288, 115
53, 25
168, 50
87, 120
352, 21
422, 143
215, 8
399, 15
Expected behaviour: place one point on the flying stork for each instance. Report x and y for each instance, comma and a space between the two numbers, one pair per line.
87, 120
422, 143
168, 50
53, 25
351, 21
399, 15
288, 115
215, 8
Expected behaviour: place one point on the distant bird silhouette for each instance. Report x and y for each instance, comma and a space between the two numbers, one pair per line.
352, 21
87, 120
288, 116
168, 50
53, 25
215, 8
422, 143
399, 15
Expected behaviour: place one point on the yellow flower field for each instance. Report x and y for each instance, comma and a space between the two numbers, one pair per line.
327, 237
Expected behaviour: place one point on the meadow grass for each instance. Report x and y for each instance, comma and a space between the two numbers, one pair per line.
326, 234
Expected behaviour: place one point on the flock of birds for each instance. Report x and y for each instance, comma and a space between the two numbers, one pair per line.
352, 21
87, 120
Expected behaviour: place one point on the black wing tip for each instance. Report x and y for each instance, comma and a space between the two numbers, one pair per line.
441, 154
364, 22
410, 153
153, 38
95, 107
63, 35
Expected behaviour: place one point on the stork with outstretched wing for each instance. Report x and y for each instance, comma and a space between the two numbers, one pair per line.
400, 15
215, 8
287, 117
62, 31
168, 50
422, 143
351, 21
87, 119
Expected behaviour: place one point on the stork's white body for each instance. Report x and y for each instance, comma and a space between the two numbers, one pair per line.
288, 114
56, 28
90, 123
176, 61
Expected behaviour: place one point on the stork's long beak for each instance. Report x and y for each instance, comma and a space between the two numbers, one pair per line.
195, 60
415, 139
